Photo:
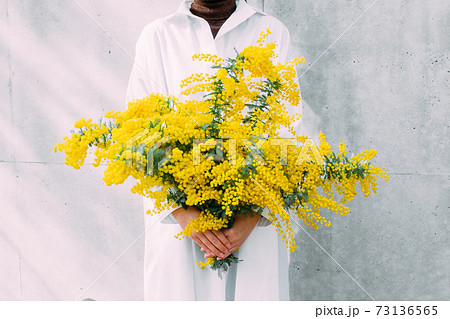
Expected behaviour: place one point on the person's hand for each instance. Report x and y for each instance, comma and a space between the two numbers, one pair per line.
213, 242
242, 228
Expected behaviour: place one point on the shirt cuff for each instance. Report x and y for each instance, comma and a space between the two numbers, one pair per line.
262, 222
169, 219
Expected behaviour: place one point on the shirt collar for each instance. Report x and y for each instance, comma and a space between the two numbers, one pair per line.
243, 12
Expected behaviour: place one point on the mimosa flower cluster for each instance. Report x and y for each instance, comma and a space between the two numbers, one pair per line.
224, 153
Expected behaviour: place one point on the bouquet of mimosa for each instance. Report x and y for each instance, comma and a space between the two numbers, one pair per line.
224, 153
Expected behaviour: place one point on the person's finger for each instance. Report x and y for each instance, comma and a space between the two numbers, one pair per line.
210, 246
199, 242
220, 247
230, 235
234, 246
219, 234
233, 249
209, 255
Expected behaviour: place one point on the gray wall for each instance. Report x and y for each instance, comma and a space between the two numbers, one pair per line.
384, 84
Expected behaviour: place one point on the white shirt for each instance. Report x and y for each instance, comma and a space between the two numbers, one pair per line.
164, 53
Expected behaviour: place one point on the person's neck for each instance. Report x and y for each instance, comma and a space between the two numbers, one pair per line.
216, 12
214, 9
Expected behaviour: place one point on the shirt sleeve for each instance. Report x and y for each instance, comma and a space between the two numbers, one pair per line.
284, 53
148, 76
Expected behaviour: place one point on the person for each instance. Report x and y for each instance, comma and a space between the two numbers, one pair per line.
163, 59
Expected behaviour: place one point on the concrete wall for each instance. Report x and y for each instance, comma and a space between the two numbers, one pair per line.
384, 84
